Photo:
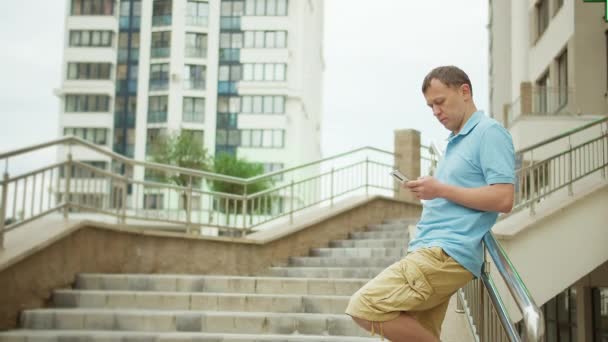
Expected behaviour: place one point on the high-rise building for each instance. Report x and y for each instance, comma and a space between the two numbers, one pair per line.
244, 77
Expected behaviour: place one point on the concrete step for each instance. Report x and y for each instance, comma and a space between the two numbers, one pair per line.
199, 301
381, 234
341, 261
219, 284
129, 336
372, 243
361, 252
389, 227
326, 272
191, 321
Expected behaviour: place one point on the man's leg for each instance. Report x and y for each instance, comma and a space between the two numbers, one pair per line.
404, 328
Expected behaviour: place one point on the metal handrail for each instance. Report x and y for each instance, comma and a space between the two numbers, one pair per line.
563, 135
532, 315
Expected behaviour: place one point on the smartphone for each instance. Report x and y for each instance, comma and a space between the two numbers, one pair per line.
400, 177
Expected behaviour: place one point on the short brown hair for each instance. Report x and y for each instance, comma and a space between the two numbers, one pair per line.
449, 75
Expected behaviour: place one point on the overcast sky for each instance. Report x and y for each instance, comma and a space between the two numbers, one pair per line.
376, 53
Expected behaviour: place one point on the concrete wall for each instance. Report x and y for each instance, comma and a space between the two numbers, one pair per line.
93, 249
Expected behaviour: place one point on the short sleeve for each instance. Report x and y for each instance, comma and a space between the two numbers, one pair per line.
497, 156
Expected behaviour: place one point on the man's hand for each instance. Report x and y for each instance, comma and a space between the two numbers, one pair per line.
426, 188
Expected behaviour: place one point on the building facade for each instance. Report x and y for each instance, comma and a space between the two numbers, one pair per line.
243, 77
548, 72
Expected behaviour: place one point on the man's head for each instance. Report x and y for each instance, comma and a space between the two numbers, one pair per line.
449, 93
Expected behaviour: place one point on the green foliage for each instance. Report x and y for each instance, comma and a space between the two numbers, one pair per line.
182, 150
229, 165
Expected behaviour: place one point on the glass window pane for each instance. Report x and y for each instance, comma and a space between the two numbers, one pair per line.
267, 138
233, 137
258, 73
281, 39
237, 40
259, 9
222, 104
256, 138
281, 7
245, 138
268, 106
235, 104
269, 72
225, 40
221, 138
85, 38
224, 73
270, 39
74, 38
96, 38
248, 72
72, 71
277, 140
257, 104
246, 104
250, 7
279, 104
235, 73
279, 72
238, 8
249, 39
226, 9
259, 39
271, 7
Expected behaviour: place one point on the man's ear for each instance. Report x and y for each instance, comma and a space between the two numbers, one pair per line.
465, 89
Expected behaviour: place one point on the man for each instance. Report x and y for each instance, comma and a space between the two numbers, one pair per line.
473, 183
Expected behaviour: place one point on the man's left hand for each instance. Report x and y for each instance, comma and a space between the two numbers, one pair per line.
425, 188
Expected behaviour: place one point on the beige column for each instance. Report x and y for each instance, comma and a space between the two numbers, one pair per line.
407, 159
525, 93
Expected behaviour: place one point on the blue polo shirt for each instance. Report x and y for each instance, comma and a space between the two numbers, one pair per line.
480, 154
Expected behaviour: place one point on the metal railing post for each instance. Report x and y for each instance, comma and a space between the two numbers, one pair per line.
570, 170
291, 202
245, 208
367, 176
532, 185
604, 142
123, 213
331, 188
68, 180
189, 206
459, 303
3, 208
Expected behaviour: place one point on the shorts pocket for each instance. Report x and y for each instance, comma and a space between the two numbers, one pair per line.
404, 290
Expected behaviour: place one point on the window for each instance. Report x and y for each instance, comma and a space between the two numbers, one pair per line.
196, 135
196, 45
161, 44
161, 13
89, 71
232, 8
157, 108
153, 138
95, 135
542, 17
264, 72
600, 314
197, 13
92, 7
560, 317
562, 79
267, 104
541, 103
231, 40
265, 39
159, 76
266, 7
194, 76
266, 138
78, 103
230, 72
154, 201
87, 38
193, 109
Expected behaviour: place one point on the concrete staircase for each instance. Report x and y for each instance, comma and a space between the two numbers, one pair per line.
303, 301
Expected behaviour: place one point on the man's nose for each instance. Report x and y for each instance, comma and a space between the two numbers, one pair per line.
436, 110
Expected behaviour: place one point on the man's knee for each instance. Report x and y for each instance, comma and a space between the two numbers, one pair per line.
365, 324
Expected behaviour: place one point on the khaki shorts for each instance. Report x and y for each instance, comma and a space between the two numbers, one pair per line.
420, 284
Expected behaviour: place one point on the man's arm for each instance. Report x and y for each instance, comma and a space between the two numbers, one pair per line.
496, 197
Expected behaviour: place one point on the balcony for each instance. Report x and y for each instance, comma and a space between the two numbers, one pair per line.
538, 101
193, 117
197, 21
196, 52
159, 84
198, 84
161, 20
157, 117
230, 55
160, 52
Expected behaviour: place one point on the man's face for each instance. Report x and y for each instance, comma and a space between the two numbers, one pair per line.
448, 103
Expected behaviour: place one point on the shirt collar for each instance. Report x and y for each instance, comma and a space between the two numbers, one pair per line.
468, 126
